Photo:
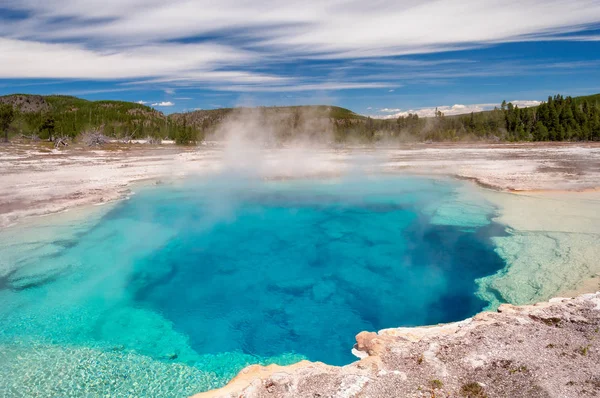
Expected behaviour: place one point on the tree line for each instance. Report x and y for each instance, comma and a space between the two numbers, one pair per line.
558, 119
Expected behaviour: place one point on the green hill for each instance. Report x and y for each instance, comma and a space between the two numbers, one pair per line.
557, 119
591, 99
283, 123
71, 116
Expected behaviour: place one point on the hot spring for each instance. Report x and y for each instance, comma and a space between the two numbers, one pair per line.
175, 290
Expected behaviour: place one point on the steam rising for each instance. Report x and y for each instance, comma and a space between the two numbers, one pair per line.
279, 143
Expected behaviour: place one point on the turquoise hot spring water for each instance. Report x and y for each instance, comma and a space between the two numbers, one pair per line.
175, 290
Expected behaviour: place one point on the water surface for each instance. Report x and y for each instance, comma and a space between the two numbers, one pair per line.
175, 290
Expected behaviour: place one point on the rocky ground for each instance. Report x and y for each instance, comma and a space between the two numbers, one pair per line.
545, 350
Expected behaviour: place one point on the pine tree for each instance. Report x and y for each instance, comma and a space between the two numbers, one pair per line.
553, 122
540, 133
7, 115
184, 135
594, 122
472, 122
567, 121
47, 128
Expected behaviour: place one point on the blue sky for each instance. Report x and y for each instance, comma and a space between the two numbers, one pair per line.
381, 58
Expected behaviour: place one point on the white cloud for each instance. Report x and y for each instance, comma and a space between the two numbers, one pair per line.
391, 91
318, 26
28, 59
142, 102
137, 39
405, 27
525, 103
169, 91
164, 103
457, 109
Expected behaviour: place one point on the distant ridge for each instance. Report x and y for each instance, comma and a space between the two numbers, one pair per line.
557, 119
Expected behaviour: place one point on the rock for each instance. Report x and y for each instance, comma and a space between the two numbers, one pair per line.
545, 350
367, 342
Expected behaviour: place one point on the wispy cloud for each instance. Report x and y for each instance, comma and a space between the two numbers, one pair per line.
29, 59
143, 40
325, 86
142, 102
95, 91
185, 79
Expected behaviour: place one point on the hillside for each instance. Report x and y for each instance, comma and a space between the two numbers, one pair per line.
212, 115
59, 115
26, 103
284, 123
592, 99
558, 119
70, 116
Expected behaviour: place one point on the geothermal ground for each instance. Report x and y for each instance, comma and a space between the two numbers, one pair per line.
38, 180
547, 196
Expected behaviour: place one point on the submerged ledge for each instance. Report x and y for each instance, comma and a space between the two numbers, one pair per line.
552, 248
549, 349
